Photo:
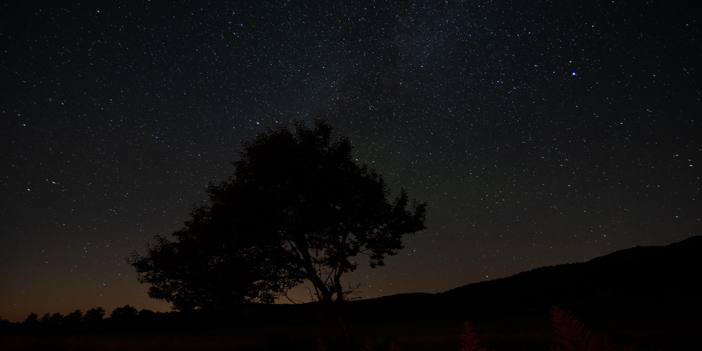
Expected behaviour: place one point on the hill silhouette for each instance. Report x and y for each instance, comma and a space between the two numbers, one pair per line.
639, 280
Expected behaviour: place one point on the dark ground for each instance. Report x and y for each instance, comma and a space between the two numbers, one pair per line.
532, 331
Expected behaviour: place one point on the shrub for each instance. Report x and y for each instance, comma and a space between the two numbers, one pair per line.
469, 339
572, 336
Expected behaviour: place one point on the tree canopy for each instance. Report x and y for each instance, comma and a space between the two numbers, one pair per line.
296, 208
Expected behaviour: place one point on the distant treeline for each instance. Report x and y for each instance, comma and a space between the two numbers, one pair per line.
128, 318
77, 321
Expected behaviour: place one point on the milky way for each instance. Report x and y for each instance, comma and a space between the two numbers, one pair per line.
539, 133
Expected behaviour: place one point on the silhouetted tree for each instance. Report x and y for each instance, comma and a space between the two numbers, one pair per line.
94, 315
296, 208
32, 320
5, 324
125, 312
73, 319
146, 313
55, 319
45, 318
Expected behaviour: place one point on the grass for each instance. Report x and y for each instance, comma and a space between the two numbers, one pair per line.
469, 339
565, 332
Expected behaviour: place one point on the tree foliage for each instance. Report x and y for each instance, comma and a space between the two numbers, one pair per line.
296, 208
94, 315
73, 318
32, 319
124, 312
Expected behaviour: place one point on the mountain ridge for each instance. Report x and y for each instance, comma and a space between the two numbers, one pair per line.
652, 276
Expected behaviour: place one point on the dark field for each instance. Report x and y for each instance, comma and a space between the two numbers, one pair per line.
516, 333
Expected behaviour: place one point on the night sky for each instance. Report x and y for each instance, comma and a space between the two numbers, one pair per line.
539, 132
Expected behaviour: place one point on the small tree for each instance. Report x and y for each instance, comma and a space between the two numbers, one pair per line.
126, 312
74, 318
94, 315
56, 319
32, 320
146, 313
297, 208
5, 324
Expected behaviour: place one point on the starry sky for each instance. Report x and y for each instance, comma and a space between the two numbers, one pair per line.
540, 132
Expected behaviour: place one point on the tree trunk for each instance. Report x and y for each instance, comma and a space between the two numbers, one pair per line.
331, 313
